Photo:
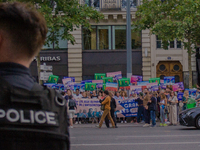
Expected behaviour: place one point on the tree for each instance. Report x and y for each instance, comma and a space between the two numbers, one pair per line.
62, 13
172, 19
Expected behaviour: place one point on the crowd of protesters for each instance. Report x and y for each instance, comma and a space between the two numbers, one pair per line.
160, 106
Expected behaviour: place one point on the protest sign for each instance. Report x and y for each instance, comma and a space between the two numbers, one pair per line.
72, 78
107, 79
111, 86
180, 96
60, 87
79, 86
53, 79
178, 86
50, 85
153, 80
163, 86
136, 89
66, 81
143, 83
192, 92
169, 80
90, 86
86, 81
124, 82
104, 87
99, 83
135, 79
155, 88
149, 85
99, 76
116, 75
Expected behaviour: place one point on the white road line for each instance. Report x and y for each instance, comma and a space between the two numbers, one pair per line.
154, 136
129, 144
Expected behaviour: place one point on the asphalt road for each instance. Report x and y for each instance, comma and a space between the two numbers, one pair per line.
134, 137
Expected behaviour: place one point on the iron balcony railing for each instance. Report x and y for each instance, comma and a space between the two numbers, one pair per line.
107, 5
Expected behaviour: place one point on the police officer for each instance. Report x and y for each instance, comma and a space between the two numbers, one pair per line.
28, 112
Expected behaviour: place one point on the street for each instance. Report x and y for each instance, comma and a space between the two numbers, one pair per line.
130, 136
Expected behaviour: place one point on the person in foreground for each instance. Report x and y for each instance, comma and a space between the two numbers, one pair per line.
106, 112
32, 117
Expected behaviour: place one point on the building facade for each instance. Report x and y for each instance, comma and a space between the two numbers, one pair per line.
104, 48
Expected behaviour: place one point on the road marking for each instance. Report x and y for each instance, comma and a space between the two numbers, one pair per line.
129, 144
157, 136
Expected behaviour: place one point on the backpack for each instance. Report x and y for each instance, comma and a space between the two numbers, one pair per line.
72, 103
32, 120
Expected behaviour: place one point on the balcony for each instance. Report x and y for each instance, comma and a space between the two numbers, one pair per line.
111, 5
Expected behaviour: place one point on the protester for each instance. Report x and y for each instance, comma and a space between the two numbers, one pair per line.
72, 111
123, 97
106, 112
94, 94
117, 95
185, 99
84, 94
152, 108
173, 109
163, 104
146, 110
140, 113
77, 95
112, 111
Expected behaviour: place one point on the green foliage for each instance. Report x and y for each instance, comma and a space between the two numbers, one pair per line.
68, 13
171, 19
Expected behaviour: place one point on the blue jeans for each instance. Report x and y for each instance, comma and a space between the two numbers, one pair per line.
162, 115
153, 117
140, 113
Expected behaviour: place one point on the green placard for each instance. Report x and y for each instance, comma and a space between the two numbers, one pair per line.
124, 82
53, 79
90, 86
107, 79
99, 76
153, 80
104, 87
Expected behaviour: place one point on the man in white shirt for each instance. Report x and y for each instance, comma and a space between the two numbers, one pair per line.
77, 95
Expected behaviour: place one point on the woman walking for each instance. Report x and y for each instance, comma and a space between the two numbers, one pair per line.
106, 112
173, 109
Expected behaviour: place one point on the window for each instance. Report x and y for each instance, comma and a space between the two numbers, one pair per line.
62, 44
109, 38
172, 44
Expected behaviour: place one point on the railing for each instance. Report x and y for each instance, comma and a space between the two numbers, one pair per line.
109, 5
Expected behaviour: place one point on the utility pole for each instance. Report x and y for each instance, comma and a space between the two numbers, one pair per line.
128, 40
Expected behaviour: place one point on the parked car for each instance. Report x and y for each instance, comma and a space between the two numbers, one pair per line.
190, 117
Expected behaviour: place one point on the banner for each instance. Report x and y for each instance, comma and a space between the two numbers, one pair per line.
107, 79
90, 108
149, 85
135, 79
126, 108
163, 86
153, 80
116, 75
112, 86
99, 83
90, 86
169, 80
178, 86
155, 88
86, 81
99, 76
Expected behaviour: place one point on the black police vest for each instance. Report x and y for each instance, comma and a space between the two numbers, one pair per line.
32, 120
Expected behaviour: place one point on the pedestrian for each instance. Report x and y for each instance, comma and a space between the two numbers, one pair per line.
173, 108
112, 111
72, 111
152, 108
146, 110
106, 112
140, 113
162, 104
